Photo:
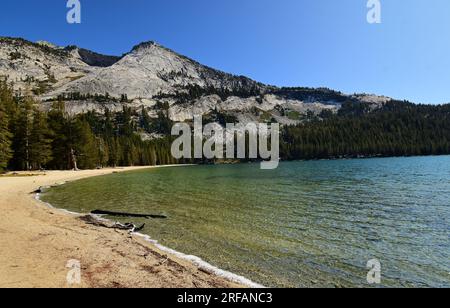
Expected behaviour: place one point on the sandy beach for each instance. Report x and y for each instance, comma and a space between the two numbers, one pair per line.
36, 242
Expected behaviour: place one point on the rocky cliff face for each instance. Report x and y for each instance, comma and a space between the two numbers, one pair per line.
38, 67
152, 76
151, 70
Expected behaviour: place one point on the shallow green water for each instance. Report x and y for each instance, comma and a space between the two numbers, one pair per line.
311, 223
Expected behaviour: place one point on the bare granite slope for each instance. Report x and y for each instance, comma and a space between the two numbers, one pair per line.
152, 76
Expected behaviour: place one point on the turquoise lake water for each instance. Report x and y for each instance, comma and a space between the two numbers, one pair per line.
306, 224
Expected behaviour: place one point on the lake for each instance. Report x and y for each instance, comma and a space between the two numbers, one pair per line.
305, 224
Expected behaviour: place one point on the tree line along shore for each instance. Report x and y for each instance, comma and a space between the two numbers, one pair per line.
31, 139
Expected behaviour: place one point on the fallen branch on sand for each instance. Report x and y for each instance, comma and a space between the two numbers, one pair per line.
109, 213
91, 220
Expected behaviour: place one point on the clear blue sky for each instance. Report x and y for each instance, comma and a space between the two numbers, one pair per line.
281, 42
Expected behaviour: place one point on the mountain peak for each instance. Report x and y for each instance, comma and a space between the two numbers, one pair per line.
145, 45
47, 44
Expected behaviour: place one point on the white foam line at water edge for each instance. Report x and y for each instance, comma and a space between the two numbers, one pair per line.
193, 259
202, 264
37, 196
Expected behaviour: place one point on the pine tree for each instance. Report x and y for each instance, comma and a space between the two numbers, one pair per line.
145, 120
103, 152
74, 143
22, 132
115, 152
84, 144
40, 141
127, 128
58, 124
7, 112
5, 137
7, 98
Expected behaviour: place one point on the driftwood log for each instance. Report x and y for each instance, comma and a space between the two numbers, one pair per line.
121, 214
98, 222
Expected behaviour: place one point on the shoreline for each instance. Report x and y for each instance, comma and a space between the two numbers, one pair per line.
37, 240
